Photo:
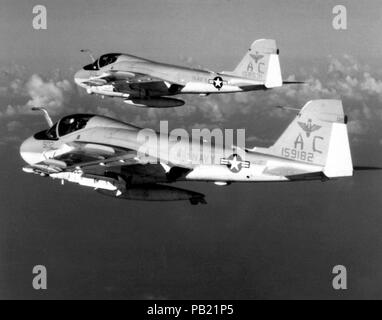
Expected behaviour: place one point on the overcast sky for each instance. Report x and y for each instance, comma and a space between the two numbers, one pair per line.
250, 241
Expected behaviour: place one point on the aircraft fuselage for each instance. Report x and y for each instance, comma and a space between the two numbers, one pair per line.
177, 80
204, 162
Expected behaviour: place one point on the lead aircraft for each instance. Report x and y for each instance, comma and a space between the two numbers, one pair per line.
106, 154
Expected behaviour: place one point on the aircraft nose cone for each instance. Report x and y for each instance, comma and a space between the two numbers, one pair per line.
80, 77
30, 151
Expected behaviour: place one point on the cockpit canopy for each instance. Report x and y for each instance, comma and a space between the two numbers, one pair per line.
71, 124
65, 126
103, 61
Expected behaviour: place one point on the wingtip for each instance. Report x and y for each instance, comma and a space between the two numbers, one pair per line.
293, 82
366, 168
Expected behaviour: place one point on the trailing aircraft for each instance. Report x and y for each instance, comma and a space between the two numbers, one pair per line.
145, 83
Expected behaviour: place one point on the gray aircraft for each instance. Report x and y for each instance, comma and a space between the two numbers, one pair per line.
144, 83
107, 155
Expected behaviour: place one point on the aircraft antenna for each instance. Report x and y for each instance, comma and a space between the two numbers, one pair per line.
90, 53
46, 115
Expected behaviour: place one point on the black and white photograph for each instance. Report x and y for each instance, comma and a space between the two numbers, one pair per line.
190, 154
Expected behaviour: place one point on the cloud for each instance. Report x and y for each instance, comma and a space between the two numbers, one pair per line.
48, 94
13, 125
37, 92
345, 78
371, 85
355, 127
3, 91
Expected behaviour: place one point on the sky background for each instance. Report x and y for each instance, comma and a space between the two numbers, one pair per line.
252, 241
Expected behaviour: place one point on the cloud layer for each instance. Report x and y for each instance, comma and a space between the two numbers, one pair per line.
357, 84
37, 92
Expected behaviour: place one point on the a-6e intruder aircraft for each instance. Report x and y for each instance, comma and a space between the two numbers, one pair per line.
103, 153
144, 83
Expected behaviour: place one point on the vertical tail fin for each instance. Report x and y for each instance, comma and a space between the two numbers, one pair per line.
317, 136
261, 63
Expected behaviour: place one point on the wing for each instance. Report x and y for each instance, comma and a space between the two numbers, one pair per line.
83, 155
124, 81
99, 159
75, 155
